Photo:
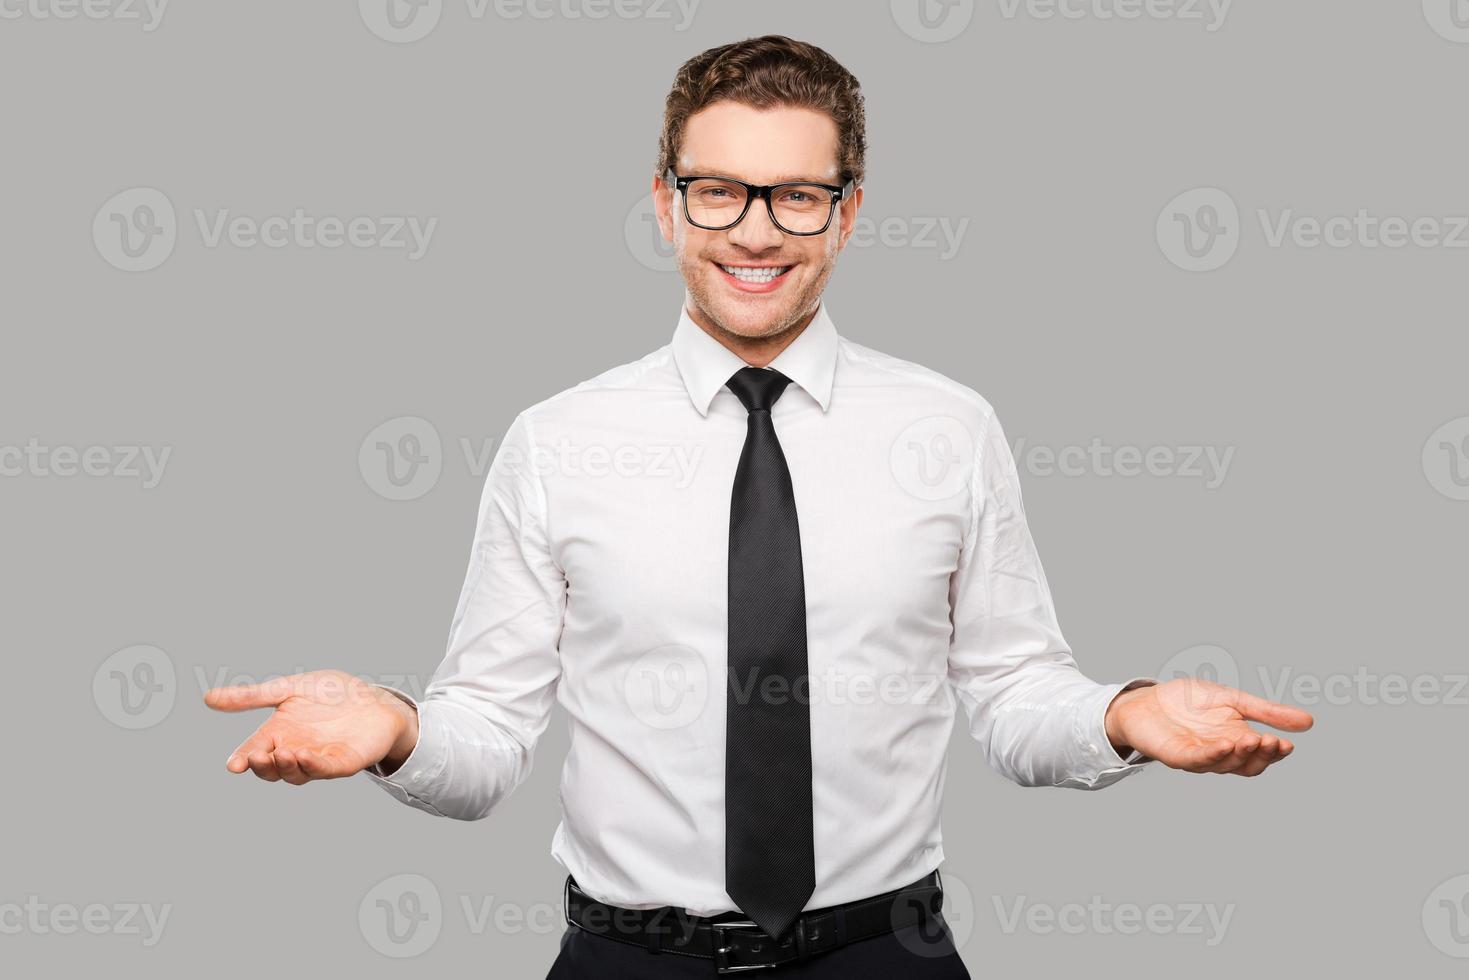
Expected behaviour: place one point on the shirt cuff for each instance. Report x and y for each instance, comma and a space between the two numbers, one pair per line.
410, 781
1106, 765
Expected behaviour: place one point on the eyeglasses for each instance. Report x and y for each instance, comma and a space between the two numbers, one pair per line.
795, 207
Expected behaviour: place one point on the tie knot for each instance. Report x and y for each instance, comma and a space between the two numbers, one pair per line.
758, 388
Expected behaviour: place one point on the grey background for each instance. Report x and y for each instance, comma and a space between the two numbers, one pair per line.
266, 548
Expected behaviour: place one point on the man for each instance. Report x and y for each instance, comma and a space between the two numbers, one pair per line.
760, 651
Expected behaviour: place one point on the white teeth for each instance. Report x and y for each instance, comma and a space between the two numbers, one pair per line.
755, 275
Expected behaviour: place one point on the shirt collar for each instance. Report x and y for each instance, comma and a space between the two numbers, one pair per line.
706, 364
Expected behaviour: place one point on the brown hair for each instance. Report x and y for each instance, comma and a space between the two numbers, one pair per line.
765, 72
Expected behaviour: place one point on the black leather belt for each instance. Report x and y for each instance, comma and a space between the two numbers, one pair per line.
736, 944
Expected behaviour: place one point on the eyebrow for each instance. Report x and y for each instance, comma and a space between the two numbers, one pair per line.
779, 179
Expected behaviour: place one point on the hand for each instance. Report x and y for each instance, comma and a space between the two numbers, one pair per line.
1200, 726
327, 724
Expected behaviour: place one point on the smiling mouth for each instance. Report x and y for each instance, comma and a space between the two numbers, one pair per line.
762, 275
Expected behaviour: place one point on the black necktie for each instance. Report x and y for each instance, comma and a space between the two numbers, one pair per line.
769, 864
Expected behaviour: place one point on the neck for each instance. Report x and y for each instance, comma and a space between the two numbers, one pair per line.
754, 351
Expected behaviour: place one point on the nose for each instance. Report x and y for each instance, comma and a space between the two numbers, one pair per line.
756, 232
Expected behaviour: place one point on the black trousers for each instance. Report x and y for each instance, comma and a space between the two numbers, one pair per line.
918, 952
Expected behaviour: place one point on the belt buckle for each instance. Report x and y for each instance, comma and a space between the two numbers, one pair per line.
722, 949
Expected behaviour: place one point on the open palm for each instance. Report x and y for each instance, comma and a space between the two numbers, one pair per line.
1200, 726
327, 724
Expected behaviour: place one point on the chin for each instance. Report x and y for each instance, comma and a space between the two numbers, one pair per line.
768, 322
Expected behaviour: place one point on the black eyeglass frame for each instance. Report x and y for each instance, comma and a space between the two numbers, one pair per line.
753, 191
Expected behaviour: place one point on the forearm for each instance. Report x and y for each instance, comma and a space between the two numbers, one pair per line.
1044, 724
407, 739
459, 762
1112, 722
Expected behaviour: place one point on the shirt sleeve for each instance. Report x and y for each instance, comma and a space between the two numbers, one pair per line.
491, 696
1037, 718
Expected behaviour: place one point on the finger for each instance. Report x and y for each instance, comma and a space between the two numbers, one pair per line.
1241, 750
262, 763
312, 764
321, 764
239, 759
1272, 713
1267, 754
1211, 755
287, 765
244, 697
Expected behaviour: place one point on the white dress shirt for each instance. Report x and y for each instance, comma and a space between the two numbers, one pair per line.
597, 578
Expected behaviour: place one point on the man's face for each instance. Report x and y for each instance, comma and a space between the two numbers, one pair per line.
762, 147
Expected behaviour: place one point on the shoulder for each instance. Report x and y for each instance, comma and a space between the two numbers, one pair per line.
598, 394
931, 389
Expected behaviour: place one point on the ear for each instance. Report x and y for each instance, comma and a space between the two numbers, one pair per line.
663, 206
847, 212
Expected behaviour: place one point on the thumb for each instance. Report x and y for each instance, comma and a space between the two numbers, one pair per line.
1283, 716
243, 697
